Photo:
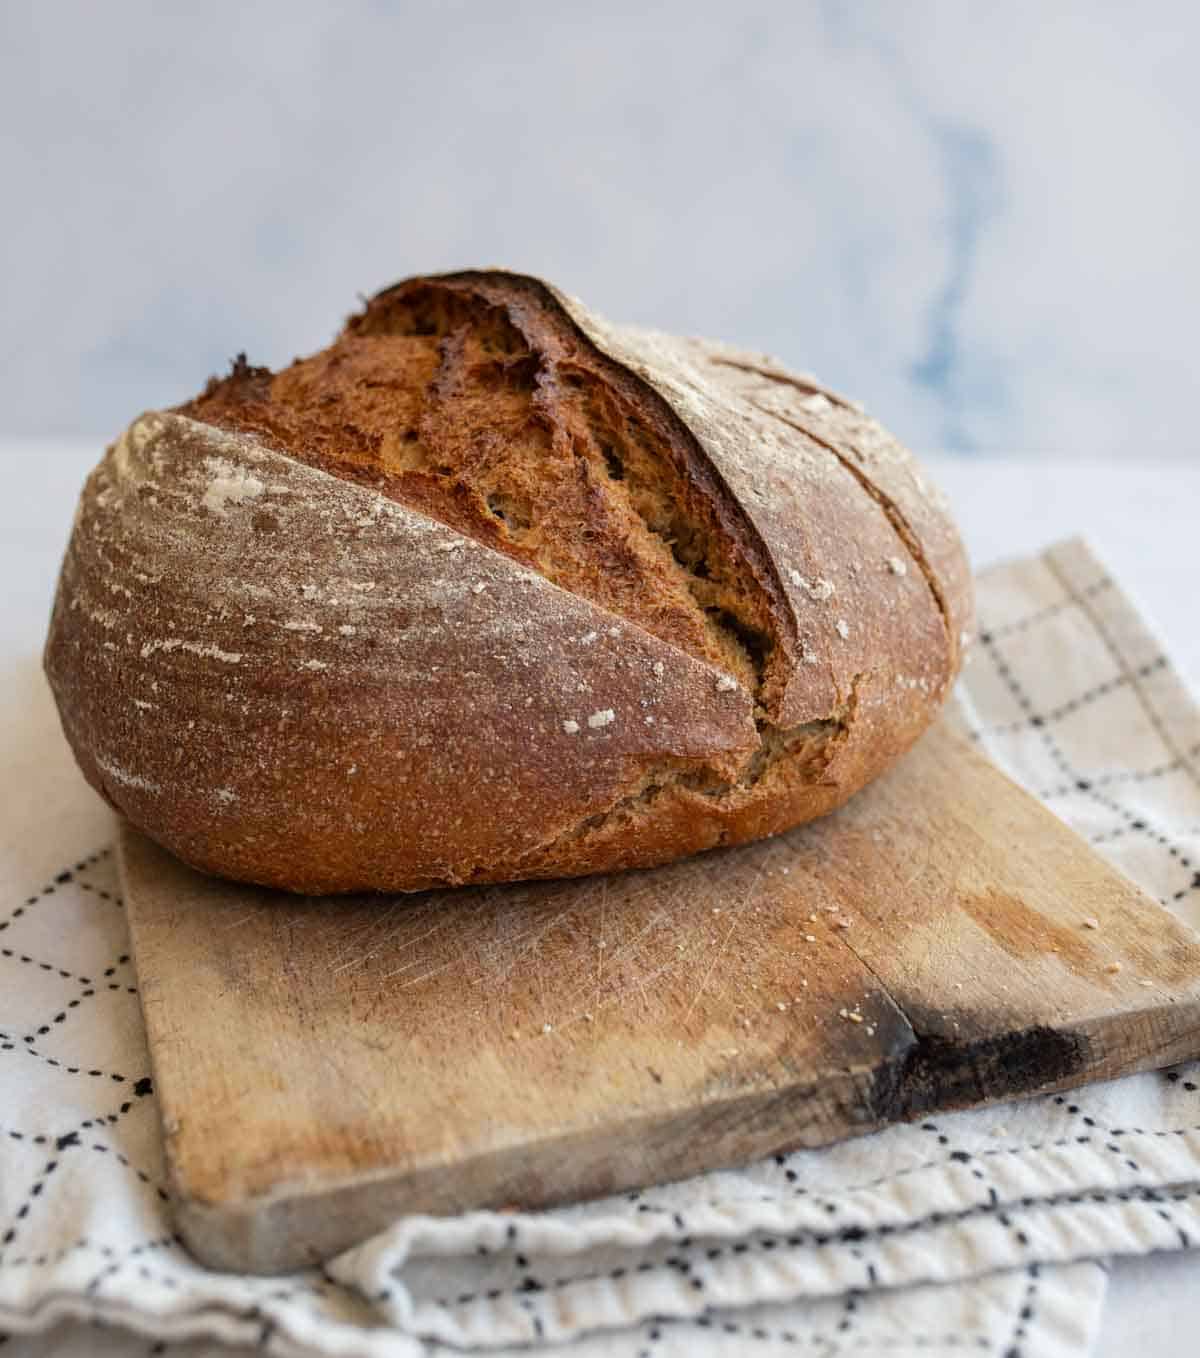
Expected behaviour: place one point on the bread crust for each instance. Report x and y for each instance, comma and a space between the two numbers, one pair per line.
276, 667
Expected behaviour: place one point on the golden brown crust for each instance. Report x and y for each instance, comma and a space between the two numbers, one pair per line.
492, 589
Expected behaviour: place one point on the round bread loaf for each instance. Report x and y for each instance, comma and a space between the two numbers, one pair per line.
492, 589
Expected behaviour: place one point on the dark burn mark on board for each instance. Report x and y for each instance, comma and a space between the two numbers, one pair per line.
939, 1072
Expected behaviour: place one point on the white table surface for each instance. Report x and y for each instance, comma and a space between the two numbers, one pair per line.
1143, 520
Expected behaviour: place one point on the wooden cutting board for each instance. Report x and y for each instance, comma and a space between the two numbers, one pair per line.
326, 1065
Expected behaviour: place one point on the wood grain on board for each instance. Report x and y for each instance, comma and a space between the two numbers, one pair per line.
326, 1065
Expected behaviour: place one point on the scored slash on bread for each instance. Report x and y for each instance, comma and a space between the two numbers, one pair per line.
492, 589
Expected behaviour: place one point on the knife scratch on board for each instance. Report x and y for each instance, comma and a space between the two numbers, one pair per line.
614, 998
401, 947
245, 919
720, 952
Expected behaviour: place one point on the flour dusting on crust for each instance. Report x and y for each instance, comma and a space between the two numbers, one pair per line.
229, 485
404, 655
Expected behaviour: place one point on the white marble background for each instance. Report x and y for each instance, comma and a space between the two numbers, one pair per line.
982, 219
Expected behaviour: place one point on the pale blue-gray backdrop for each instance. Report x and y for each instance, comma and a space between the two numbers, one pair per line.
981, 219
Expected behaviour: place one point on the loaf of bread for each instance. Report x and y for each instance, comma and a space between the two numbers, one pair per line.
492, 589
